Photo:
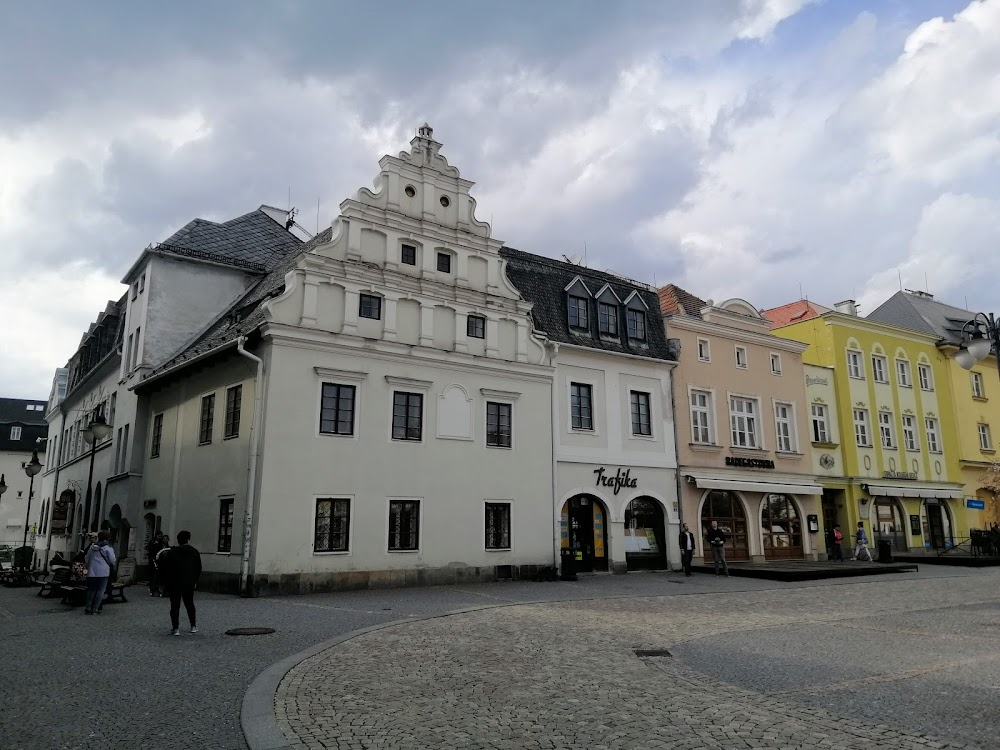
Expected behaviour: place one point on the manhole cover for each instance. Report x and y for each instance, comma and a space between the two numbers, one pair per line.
250, 631
641, 652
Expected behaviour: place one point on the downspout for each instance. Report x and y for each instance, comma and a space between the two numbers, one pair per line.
258, 402
677, 458
554, 430
55, 491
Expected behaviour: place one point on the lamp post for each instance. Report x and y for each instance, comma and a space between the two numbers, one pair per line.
980, 337
31, 468
94, 433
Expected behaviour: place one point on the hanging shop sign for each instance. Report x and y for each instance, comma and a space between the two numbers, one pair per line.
619, 481
749, 463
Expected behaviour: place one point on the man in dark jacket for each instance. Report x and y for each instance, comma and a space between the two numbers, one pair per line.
686, 542
717, 541
180, 573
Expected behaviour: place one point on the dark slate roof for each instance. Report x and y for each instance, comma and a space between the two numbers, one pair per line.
542, 281
923, 314
14, 411
253, 241
245, 315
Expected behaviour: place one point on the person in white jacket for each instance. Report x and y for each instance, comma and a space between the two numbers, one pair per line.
100, 563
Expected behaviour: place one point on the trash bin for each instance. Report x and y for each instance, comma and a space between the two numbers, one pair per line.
567, 559
884, 551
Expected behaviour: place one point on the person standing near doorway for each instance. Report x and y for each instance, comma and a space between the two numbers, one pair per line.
838, 543
717, 541
180, 571
686, 542
100, 563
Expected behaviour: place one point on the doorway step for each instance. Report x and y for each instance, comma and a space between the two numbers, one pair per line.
808, 570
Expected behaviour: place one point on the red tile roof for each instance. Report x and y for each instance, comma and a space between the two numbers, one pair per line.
677, 301
793, 312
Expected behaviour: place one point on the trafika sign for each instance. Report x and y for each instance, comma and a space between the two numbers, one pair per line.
618, 481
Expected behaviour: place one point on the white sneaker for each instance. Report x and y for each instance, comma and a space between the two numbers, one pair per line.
194, 629
175, 632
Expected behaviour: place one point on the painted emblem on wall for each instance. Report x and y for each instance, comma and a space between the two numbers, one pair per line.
826, 461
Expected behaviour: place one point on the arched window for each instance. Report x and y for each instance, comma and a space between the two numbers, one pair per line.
726, 508
781, 526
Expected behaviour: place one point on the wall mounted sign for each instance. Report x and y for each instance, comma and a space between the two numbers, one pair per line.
618, 481
899, 475
973, 504
915, 525
826, 461
749, 463
812, 522
147, 504
816, 381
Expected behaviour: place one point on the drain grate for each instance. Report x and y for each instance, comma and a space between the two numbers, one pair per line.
652, 652
250, 631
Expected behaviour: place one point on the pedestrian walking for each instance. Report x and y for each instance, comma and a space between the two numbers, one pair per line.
161, 558
100, 563
180, 570
152, 550
717, 541
838, 543
686, 542
862, 545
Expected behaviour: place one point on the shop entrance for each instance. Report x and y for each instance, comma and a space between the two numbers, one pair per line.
645, 536
938, 525
584, 531
888, 523
726, 508
781, 525
831, 517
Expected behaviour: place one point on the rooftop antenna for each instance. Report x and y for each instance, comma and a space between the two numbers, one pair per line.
900, 279
317, 214
584, 254
927, 286
800, 291
289, 197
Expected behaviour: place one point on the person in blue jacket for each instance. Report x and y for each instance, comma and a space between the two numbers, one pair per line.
100, 562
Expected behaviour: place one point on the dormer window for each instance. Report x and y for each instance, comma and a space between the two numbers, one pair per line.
607, 318
578, 317
636, 322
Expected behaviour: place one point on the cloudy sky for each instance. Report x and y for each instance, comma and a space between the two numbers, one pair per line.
734, 147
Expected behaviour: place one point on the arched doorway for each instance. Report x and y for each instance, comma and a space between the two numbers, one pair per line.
937, 524
584, 529
115, 524
888, 523
781, 527
725, 507
645, 536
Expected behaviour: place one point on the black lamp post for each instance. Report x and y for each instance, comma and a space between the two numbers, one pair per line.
980, 336
31, 468
95, 432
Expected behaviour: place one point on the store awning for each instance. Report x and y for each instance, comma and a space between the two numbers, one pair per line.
741, 485
914, 490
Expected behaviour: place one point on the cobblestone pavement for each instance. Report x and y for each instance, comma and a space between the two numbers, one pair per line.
900, 664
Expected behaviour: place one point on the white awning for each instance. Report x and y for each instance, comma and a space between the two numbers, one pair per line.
741, 485
914, 490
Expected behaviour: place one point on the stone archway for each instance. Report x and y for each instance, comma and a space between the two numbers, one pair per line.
887, 522
726, 508
780, 527
645, 535
584, 521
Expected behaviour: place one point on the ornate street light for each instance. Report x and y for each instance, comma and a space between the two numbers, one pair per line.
980, 337
31, 469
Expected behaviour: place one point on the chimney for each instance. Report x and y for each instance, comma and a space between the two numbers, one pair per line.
848, 307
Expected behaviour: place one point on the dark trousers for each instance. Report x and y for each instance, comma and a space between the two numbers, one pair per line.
154, 580
95, 592
838, 552
686, 555
187, 595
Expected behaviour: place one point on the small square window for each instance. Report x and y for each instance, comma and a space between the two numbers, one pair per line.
775, 364
15, 432
704, 352
409, 255
497, 525
475, 327
741, 357
444, 262
370, 307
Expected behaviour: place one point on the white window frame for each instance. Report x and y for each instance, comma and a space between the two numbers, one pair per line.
911, 441
865, 424
904, 376
631, 427
933, 438
984, 432
594, 424
854, 367
880, 372
925, 376
823, 420
420, 526
341, 377
510, 533
350, 525
978, 387
708, 410
707, 356
886, 429
15, 432
741, 353
789, 421
756, 433
775, 363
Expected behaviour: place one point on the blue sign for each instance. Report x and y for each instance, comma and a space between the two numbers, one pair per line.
975, 504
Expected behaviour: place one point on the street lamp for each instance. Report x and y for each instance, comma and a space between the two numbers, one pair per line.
31, 468
94, 433
980, 336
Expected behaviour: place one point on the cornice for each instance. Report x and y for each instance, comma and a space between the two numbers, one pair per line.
687, 323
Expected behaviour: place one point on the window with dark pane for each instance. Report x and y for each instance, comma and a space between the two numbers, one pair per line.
640, 414
580, 406
370, 307
407, 416
475, 327
607, 318
409, 255
226, 525
578, 317
444, 262
154, 444
404, 525
636, 321
498, 421
333, 525
497, 525
234, 404
336, 412
207, 419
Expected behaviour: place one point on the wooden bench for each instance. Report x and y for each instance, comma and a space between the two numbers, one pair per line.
48, 588
126, 574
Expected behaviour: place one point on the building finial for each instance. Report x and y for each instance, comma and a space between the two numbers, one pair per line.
425, 131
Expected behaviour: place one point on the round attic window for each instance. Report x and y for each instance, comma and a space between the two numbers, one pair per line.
444, 201
410, 191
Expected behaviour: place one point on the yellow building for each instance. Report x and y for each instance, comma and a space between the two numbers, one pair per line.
975, 395
900, 474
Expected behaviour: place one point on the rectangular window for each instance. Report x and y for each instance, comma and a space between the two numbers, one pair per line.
15, 432
743, 419
404, 525
861, 430
498, 424
701, 417
641, 424
333, 525
142, 283
580, 406
636, 322
741, 357
925, 377
370, 306
118, 452
128, 355
978, 391
114, 402
336, 411
820, 425
775, 364
475, 327
933, 441
880, 373
784, 424
910, 433
407, 416
207, 419
154, 443
125, 450
607, 319
704, 352
408, 255
225, 543
985, 440
578, 317
234, 404
903, 373
885, 429
854, 364
497, 525
444, 262
135, 290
